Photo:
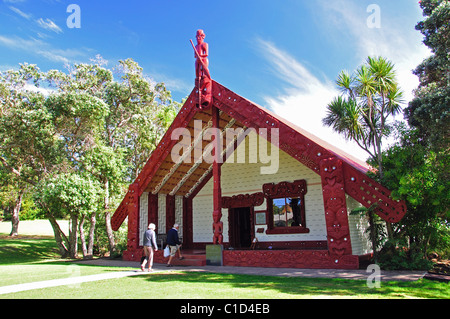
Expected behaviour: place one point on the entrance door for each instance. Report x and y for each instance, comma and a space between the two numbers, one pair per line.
240, 227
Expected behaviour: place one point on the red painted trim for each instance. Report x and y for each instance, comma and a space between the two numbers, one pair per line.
309, 150
217, 189
153, 209
287, 230
184, 116
187, 223
311, 259
133, 217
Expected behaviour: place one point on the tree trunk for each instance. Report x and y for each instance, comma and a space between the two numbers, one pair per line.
390, 230
15, 216
373, 236
82, 237
60, 237
73, 238
90, 249
109, 231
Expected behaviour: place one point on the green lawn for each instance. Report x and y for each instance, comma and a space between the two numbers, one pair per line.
35, 259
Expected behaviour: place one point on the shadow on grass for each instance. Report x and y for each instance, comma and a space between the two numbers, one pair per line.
300, 287
26, 249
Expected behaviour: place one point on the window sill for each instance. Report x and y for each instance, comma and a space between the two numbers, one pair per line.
287, 230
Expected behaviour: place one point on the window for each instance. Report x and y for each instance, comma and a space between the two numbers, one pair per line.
287, 212
286, 207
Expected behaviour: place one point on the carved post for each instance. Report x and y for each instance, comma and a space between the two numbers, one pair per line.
217, 191
336, 218
133, 221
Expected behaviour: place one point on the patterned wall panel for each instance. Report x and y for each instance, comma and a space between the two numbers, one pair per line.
161, 213
143, 216
179, 214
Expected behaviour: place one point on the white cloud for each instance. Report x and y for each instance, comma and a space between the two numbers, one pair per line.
304, 101
42, 48
396, 39
21, 13
49, 25
304, 104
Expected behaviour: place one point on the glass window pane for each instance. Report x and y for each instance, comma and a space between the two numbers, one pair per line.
286, 212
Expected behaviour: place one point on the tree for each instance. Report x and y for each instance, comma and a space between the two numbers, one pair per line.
369, 97
138, 114
429, 110
28, 144
415, 173
77, 196
87, 124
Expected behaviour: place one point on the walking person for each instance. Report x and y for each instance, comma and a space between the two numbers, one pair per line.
149, 247
174, 243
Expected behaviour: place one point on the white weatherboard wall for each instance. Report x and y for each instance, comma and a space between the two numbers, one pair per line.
358, 224
246, 178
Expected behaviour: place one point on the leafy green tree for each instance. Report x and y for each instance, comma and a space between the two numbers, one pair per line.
414, 173
88, 124
137, 114
77, 196
29, 147
429, 110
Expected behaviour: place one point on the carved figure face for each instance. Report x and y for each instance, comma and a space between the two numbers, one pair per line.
200, 36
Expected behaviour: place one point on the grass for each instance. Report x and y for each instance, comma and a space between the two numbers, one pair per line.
194, 285
35, 258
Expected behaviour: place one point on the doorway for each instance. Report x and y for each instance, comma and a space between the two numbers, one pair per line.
240, 226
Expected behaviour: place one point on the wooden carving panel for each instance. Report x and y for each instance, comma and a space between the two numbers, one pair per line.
243, 200
285, 189
335, 208
367, 191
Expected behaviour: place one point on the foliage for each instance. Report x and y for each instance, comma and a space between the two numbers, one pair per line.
429, 110
399, 255
89, 126
71, 194
370, 95
419, 176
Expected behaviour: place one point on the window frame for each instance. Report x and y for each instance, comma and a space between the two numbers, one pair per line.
296, 189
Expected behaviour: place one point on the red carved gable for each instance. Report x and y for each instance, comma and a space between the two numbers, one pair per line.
162, 175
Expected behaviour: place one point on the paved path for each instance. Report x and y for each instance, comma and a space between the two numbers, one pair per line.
285, 272
67, 281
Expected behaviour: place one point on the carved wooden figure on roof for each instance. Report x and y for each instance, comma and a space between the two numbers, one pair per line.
202, 76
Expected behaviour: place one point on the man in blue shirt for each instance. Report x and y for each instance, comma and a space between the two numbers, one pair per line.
174, 243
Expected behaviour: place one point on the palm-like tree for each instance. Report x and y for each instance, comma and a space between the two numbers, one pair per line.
369, 97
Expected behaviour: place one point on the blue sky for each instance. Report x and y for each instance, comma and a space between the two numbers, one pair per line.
283, 55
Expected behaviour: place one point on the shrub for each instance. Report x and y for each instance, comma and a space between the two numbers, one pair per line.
396, 255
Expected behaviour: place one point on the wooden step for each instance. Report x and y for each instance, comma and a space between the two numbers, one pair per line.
189, 259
